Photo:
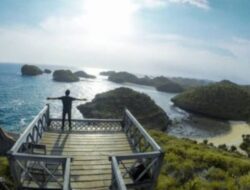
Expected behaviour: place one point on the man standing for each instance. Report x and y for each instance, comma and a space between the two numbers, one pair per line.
67, 106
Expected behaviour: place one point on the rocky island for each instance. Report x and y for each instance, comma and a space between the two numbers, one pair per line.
111, 104
107, 73
47, 71
31, 70
64, 76
83, 74
160, 83
223, 100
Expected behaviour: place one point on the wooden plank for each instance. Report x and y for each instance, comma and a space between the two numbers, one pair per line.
97, 149
87, 135
90, 168
87, 146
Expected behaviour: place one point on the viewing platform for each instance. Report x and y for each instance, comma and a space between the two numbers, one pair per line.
95, 154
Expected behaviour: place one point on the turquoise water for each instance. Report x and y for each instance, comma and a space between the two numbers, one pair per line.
22, 97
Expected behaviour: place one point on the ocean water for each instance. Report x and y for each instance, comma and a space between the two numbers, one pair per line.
22, 97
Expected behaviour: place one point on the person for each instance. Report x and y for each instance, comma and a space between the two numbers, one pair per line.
67, 106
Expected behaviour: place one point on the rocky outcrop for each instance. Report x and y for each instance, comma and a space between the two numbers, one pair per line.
107, 73
47, 71
160, 83
170, 87
111, 104
223, 100
6, 142
83, 74
64, 76
31, 70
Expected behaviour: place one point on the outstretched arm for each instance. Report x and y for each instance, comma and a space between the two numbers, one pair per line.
55, 98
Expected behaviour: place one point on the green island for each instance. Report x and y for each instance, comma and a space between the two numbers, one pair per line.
65, 76
111, 104
31, 70
223, 100
83, 74
161, 83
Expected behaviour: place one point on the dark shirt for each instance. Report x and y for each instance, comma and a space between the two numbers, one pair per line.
67, 103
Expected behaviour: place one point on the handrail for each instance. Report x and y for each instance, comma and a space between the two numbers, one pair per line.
90, 119
66, 184
63, 160
138, 156
117, 174
148, 157
35, 157
152, 142
28, 130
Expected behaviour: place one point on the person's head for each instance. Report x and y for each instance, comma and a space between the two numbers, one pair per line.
67, 92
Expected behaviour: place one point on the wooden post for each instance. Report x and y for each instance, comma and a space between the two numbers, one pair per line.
157, 169
48, 116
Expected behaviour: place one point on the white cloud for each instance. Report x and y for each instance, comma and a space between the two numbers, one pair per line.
204, 4
151, 54
68, 41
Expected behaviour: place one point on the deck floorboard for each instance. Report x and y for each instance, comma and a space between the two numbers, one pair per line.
90, 166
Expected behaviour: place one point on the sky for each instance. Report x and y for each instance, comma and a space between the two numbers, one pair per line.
207, 39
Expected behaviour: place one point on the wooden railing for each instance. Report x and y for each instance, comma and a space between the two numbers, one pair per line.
33, 133
40, 171
147, 159
134, 171
37, 171
88, 125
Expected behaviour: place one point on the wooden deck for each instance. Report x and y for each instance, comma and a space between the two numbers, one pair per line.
90, 167
115, 154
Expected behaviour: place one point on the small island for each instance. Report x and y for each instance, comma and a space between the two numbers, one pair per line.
111, 104
65, 76
83, 74
47, 71
160, 83
222, 100
107, 73
31, 70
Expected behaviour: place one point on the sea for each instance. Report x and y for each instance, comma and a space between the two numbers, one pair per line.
22, 97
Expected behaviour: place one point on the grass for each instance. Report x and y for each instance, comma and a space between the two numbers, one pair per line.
190, 166
5, 171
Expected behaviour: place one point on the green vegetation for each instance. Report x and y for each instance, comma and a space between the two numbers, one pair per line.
191, 166
224, 100
245, 145
31, 70
187, 83
64, 76
5, 171
160, 83
164, 84
170, 87
111, 104
47, 71
4, 166
83, 74
107, 73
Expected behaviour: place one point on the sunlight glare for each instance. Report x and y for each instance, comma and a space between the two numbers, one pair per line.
109, 19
